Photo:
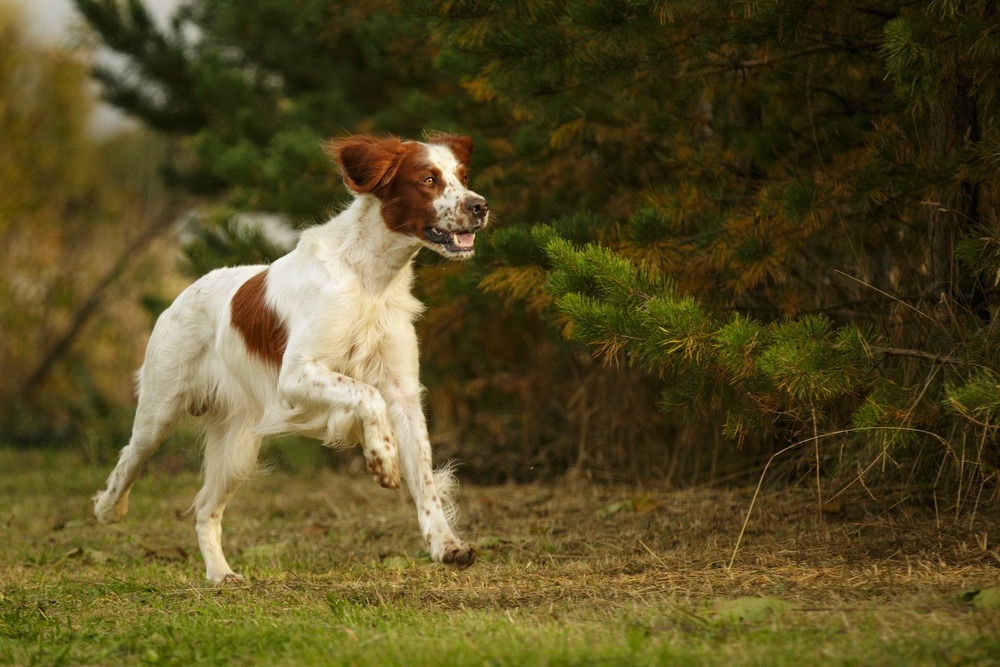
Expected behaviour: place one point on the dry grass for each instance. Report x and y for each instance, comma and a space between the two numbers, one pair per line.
569, 541
611, 545
566, 555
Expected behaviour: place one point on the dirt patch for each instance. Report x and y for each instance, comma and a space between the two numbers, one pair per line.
545, 545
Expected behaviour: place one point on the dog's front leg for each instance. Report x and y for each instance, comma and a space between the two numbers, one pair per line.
429, 490
314, 387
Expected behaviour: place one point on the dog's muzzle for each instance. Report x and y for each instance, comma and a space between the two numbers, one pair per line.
477, 210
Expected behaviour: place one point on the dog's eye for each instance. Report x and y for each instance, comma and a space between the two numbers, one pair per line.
430, 180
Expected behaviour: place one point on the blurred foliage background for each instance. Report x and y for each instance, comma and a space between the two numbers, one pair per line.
722, 229
80, 222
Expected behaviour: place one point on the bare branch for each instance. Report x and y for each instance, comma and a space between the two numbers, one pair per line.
93, 301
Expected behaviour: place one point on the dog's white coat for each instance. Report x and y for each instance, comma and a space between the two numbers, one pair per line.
349, 374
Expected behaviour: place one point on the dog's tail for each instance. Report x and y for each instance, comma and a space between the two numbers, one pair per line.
447, 487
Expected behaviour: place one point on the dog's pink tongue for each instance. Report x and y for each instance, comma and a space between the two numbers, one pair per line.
464, 240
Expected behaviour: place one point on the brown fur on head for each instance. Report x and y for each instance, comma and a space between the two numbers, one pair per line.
366, 162
460, 145
423, 187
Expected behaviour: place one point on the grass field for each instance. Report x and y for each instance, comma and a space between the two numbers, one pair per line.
568, 574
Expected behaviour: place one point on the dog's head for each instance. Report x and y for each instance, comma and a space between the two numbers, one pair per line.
423, 187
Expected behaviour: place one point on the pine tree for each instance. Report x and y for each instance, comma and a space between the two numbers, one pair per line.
257, 85
782, 213
794, 203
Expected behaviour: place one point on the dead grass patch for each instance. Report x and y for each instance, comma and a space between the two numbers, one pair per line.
646, 567
543, 545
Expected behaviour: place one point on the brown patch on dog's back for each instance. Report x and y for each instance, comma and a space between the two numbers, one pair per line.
264, 335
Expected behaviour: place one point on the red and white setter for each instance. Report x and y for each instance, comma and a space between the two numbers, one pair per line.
320, 343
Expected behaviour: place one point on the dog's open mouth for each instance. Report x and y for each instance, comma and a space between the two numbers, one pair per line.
453, 243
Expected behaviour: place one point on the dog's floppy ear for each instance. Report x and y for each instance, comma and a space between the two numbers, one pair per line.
367, 163
459, 144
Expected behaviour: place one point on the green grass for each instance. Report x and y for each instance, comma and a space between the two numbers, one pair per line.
568, 575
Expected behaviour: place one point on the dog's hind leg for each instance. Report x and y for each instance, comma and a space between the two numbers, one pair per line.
230, 457
172, 356
155, 418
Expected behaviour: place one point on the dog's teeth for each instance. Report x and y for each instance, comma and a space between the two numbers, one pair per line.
466, 240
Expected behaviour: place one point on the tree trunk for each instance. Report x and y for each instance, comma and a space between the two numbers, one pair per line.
953, 124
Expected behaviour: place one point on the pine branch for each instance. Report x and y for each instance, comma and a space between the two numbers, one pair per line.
918, 354
756, 63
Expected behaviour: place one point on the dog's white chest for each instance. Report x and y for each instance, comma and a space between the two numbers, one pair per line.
365, 338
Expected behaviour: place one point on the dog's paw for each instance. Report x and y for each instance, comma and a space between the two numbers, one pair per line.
459, 556
226, 579
109, 509
384, 472
382, 461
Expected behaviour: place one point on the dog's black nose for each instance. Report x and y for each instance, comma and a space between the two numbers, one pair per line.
476, 206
